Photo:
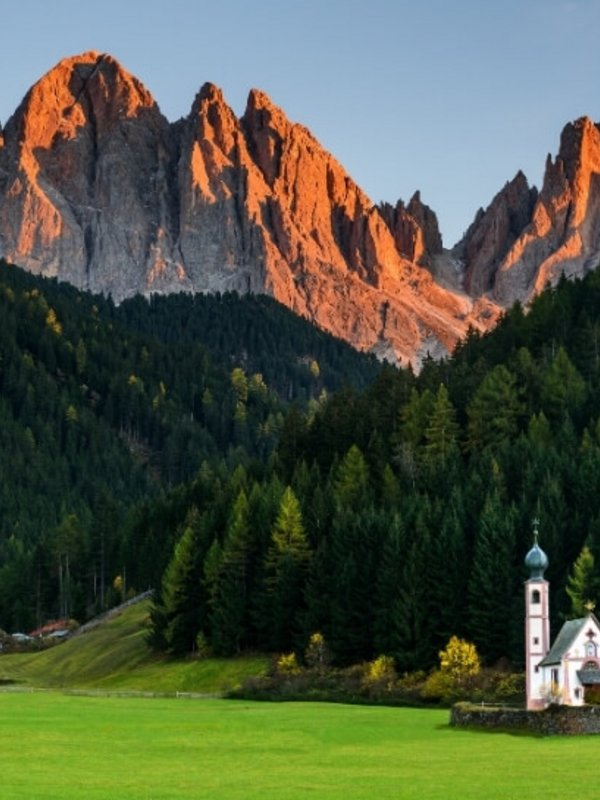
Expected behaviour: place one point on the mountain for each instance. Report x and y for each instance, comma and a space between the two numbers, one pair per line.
525, 239
99, 189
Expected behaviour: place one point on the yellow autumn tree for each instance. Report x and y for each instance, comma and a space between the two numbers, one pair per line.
460, 660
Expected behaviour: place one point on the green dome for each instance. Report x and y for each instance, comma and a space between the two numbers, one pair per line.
536, 560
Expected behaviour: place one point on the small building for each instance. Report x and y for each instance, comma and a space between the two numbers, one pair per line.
560, 673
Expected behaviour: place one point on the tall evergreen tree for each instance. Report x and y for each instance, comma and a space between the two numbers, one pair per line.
176, 613
494, 411
229, 601
494, 579
286, 567
582, 584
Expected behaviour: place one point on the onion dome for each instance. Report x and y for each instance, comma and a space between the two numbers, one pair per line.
536, 560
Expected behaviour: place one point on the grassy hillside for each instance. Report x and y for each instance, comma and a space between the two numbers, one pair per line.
115, 656
59, 747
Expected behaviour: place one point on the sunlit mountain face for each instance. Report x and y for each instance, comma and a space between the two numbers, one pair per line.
98, 188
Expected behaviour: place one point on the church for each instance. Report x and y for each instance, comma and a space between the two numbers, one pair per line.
563, 672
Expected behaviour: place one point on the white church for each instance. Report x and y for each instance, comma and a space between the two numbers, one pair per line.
559, 673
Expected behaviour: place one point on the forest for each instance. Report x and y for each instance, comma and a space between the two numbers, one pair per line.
105, 410
393, 517
269, 482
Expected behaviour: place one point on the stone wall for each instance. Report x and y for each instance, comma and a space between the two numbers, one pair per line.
570, 720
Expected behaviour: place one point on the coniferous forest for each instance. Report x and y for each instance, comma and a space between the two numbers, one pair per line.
268, 482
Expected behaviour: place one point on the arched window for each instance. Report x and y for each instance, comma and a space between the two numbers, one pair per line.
535, 597
591, 649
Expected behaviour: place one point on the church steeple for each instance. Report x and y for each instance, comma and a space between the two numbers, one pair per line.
536, 560
537, 620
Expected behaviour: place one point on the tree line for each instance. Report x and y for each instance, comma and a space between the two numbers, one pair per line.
392, 518
105, 409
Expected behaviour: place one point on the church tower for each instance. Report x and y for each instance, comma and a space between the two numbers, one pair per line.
537, 622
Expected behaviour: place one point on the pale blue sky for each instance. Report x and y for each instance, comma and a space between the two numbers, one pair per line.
451, 97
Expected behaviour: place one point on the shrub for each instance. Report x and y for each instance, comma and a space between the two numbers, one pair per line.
380, 674
440, 686
510, 687
287, 664
203, 648
460, 660
317, 655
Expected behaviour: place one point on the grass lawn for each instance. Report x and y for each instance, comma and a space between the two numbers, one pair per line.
115, 656
54, 746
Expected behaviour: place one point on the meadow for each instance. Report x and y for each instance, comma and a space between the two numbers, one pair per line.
115, 656
56, 747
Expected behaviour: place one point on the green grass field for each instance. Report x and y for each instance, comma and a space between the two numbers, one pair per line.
55, 746
115, 656
58, 747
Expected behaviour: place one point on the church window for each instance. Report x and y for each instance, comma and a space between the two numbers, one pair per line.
577, 694
555, 677
590, 649
536, 640
535, 597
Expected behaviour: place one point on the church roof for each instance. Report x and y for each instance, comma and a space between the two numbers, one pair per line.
536, 560
563, 642
589, 677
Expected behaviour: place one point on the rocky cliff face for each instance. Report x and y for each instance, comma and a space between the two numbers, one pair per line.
524, 241
99, 189
415, 229
84, 179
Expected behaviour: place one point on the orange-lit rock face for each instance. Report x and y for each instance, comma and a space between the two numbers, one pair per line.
84, 156
523, 241
415, 229
96, 186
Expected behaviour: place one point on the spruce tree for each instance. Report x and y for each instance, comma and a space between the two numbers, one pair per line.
229, 617
286, 567
582, 584
494, 579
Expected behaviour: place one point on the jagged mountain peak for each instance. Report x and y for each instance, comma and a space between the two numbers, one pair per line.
209, 93
98, 188
557, 230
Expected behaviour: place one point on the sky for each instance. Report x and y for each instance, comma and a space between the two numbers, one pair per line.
449, 97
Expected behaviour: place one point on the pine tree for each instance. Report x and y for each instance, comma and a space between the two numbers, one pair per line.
387, 637
229, 602
176, 614
286, 567
356, 541
441, 433
351, 483
582, 584
563, 388
416, 648
493, 585
495, 410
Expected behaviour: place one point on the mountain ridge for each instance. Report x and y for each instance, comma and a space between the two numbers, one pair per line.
98, 188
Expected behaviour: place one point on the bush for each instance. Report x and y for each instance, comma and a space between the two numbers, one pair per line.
379, 675
287, 664
460, 660
317, 654
440, 686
